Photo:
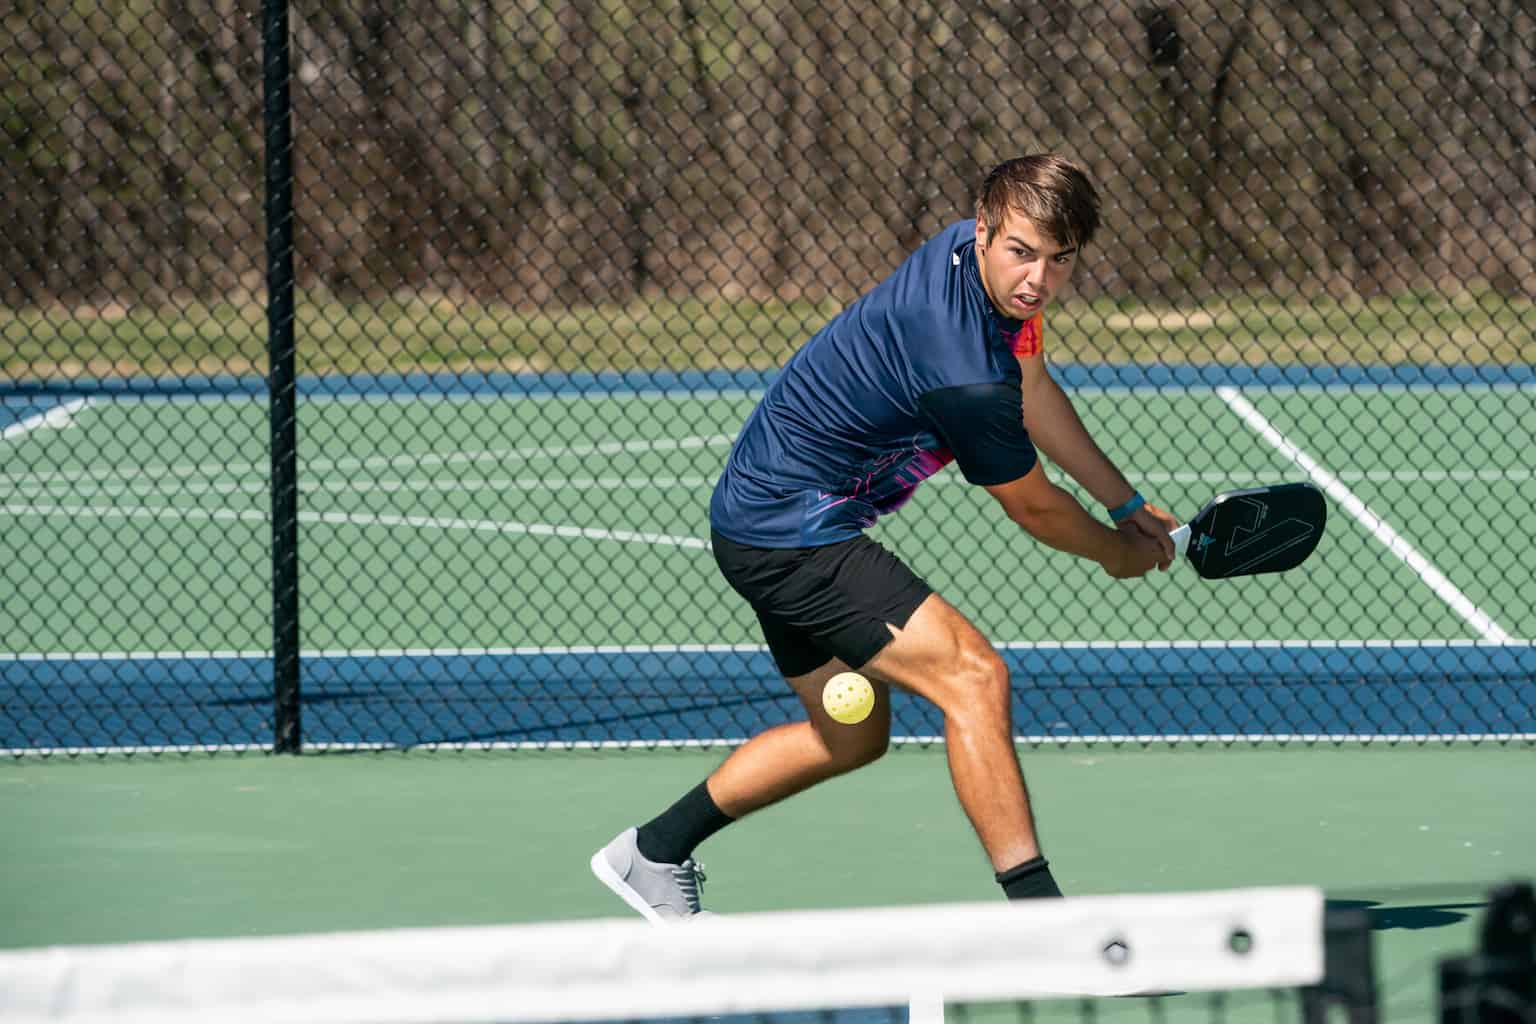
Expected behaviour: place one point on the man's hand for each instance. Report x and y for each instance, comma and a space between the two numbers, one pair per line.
1153, 522
1136, 555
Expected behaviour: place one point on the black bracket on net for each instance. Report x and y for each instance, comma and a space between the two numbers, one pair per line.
1496, 984
1348, 989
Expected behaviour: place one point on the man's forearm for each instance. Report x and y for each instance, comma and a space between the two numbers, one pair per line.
1066, 526
1059, 432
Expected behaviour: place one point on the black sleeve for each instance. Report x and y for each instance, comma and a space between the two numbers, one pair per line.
983, 425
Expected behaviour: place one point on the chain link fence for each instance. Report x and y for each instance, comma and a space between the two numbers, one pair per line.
546, 255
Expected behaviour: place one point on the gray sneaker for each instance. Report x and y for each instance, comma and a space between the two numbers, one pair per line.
661, 892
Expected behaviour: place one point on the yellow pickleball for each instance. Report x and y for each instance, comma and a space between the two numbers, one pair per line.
848, 698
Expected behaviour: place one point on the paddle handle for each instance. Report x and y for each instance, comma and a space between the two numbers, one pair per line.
1180, 538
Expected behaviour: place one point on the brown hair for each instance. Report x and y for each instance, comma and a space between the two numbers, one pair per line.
1052, 191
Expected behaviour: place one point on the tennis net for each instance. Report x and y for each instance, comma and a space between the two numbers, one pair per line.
1270, 954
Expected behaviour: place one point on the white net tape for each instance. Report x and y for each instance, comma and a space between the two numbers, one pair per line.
608, 969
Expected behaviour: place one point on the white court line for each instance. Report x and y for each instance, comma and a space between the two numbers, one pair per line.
56, 418
1027, 739
555, 650
358, 519
1395, 543
409, 460
321, 485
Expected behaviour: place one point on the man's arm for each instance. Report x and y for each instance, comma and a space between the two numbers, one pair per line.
1054, 517
983, 426
1058, 431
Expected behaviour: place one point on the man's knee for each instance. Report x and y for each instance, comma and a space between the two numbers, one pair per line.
860, 749
982, 680
872, 748
944, 658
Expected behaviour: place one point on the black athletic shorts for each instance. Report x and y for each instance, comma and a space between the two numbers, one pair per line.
820, 603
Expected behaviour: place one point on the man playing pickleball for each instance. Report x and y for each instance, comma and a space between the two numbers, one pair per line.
941, 361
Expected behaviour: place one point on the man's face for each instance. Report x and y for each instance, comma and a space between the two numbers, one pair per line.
1022, 268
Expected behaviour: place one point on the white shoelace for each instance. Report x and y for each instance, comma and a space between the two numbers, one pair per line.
689, 876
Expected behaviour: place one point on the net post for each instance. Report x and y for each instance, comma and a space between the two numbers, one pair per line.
1349, 972
278, 132
1497, 983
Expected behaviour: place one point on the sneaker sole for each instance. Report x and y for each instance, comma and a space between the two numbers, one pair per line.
609, 877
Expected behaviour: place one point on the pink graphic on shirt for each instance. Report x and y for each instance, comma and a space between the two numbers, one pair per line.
1027, 341
922, 466
888, 482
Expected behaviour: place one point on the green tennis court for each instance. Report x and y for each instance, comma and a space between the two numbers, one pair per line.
610, 495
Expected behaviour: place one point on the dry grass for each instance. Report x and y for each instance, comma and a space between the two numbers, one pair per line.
436, 334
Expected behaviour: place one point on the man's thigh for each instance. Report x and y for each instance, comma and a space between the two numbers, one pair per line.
939, 654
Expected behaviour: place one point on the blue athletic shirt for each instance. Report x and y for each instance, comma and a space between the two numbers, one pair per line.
920, 371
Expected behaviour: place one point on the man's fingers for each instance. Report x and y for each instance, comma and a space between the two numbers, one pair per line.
1149, 524
1148, 533
1153, 533
1161, 542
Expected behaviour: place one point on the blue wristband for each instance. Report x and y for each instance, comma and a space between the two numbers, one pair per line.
1124, 512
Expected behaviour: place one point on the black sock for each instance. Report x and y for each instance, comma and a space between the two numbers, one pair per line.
1029, 881
669, 838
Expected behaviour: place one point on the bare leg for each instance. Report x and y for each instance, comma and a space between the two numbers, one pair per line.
941, 656
938, 655
789, 758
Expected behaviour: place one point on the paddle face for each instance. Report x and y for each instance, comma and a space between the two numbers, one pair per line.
1262, 529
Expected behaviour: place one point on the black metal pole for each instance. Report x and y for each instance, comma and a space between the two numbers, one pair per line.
278, 120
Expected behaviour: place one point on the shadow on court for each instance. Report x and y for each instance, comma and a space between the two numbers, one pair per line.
1411, 918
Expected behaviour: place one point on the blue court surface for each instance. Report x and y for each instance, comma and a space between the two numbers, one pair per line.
647, 697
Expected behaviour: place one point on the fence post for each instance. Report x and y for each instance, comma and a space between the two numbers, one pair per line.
277, 118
